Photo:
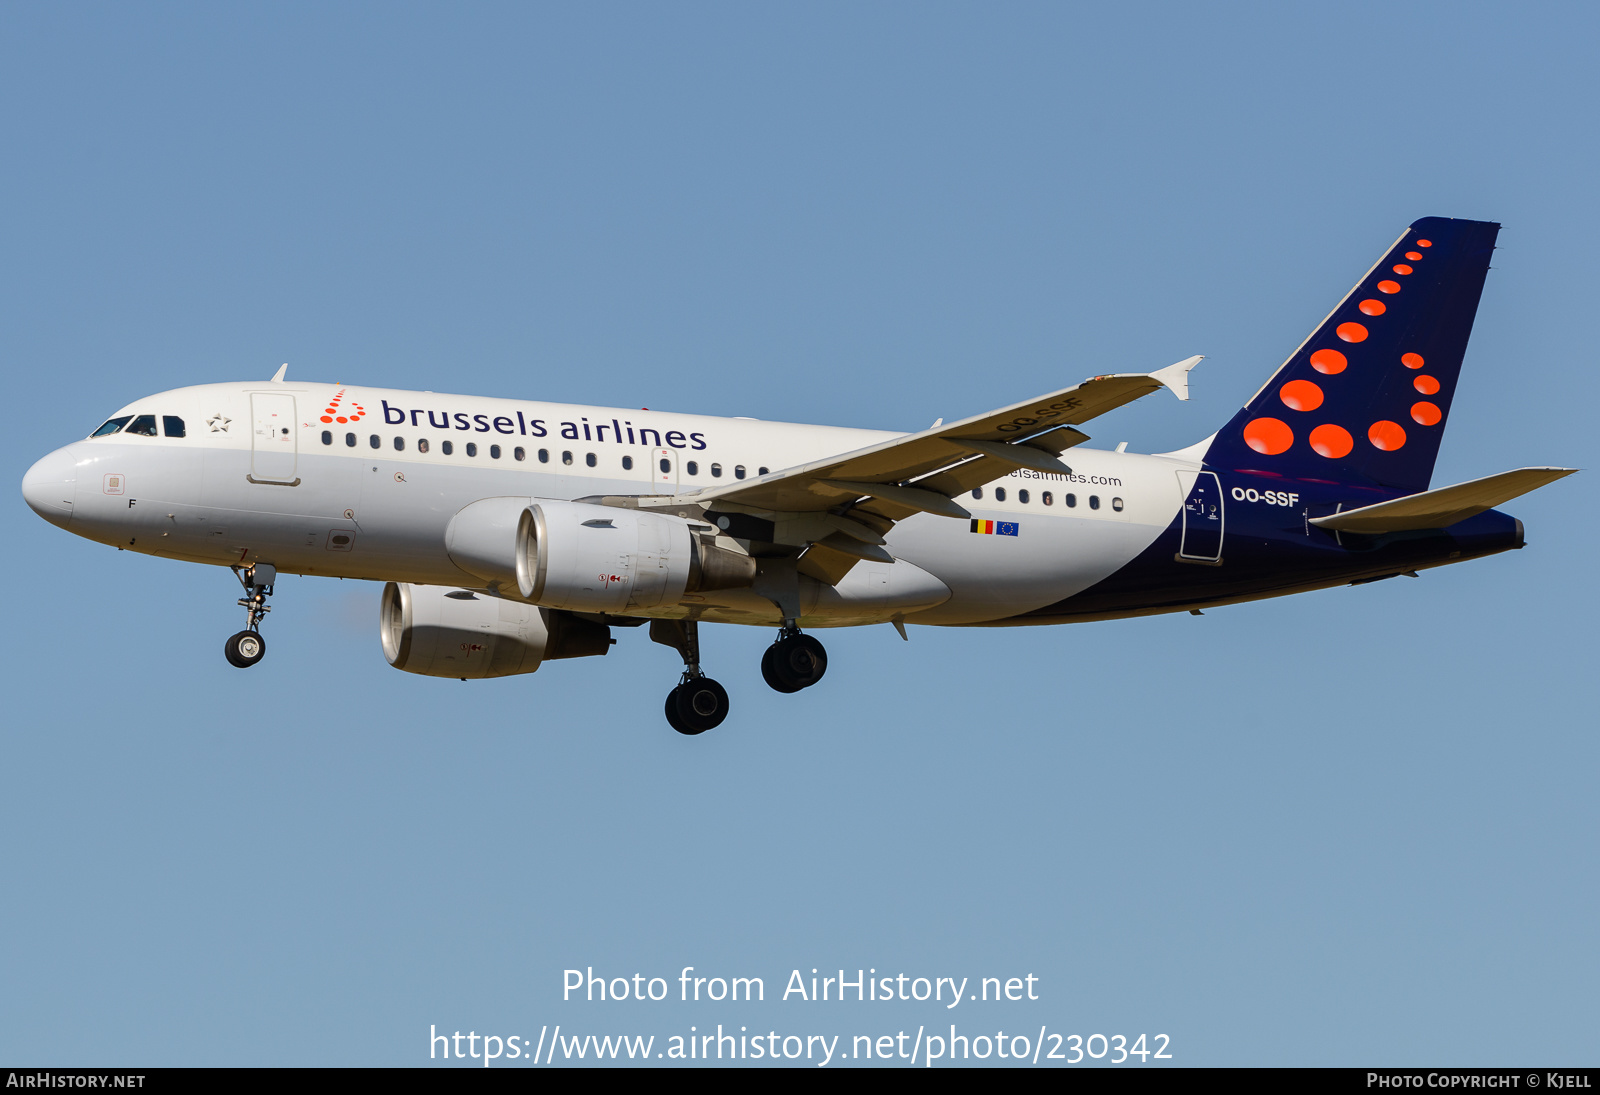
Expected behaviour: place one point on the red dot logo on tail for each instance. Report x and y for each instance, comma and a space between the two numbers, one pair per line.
1332, 441
1386, 435
1268, 436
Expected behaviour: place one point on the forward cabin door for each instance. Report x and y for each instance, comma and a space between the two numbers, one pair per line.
1201, 541
273, 437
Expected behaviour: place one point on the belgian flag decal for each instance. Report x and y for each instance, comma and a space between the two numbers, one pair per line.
994, 528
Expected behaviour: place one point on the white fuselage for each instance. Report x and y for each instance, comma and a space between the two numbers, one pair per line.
358, 483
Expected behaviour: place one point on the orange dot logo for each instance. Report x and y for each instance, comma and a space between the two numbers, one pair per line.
1269, 436
1411, 361
1388, 286
1329, 361
1426, 413
1372, 307
1300, 395
1424, 243
1332, 441
1414, 256
1351, 332
1425, 384
333, 408
1401, 268
327, 418
1386, 435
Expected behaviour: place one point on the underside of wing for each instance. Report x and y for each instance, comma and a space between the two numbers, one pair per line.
923, 472
830, 514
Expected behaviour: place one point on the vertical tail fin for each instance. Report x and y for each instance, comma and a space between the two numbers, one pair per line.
1365, 399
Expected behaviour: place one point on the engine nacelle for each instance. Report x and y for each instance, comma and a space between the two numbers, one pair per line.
592, 558
441, 632
589, 558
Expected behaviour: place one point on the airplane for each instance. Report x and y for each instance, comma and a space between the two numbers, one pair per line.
511, 532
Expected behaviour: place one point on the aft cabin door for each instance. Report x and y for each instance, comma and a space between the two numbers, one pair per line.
1201, 540
272, 437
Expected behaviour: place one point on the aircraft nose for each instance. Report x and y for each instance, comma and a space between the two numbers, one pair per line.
50, 486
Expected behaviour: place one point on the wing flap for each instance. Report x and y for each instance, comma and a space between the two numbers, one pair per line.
1443, 507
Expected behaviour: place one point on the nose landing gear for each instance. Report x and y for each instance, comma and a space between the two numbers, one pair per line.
794, 662
247, 647
698, 703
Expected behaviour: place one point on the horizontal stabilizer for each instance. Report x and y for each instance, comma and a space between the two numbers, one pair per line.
1443, 507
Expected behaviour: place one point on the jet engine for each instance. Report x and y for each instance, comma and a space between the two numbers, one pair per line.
441, 632
589, 558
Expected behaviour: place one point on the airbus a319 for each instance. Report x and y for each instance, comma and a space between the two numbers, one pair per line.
511, 532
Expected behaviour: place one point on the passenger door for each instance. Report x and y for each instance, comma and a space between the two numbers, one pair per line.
273, 438
1201, 540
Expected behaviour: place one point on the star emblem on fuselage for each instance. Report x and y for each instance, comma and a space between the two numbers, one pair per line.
218, 423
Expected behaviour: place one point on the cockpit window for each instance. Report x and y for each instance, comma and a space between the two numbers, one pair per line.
171, 425
144, 425
112, 426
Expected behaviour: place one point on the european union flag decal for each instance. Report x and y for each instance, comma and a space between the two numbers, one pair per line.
1005, 528
994, 528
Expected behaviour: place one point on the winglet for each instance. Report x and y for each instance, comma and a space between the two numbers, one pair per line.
277, 377
1176, 376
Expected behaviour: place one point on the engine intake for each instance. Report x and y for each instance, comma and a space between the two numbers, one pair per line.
440, 632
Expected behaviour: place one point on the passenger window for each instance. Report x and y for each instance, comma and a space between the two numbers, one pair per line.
472, 448
544, 456
494, 452
627, 463
422, 445
144, 425
1070, 499
1022, 496
375, 441
172, 425
1047, 498
1116, 504
519, 453
977, 492
112, 426
761, 471
399, 444
1094, 501
588, 458
566, 458
327, 437
447, 447
716, 471
738, 471
666, 466
350, 440
693, 467
999, 494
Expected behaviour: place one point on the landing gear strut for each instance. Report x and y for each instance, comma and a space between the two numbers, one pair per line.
794, 662
698, 703
248, 647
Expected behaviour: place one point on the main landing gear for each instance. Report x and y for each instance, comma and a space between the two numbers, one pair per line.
698, 703
794, 662
248, 647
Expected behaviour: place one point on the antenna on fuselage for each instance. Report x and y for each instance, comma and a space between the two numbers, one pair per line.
277, 377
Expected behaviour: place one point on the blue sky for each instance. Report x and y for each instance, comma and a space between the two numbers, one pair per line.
1350, 827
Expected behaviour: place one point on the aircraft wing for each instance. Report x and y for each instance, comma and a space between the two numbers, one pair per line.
1443, 507
923, 472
